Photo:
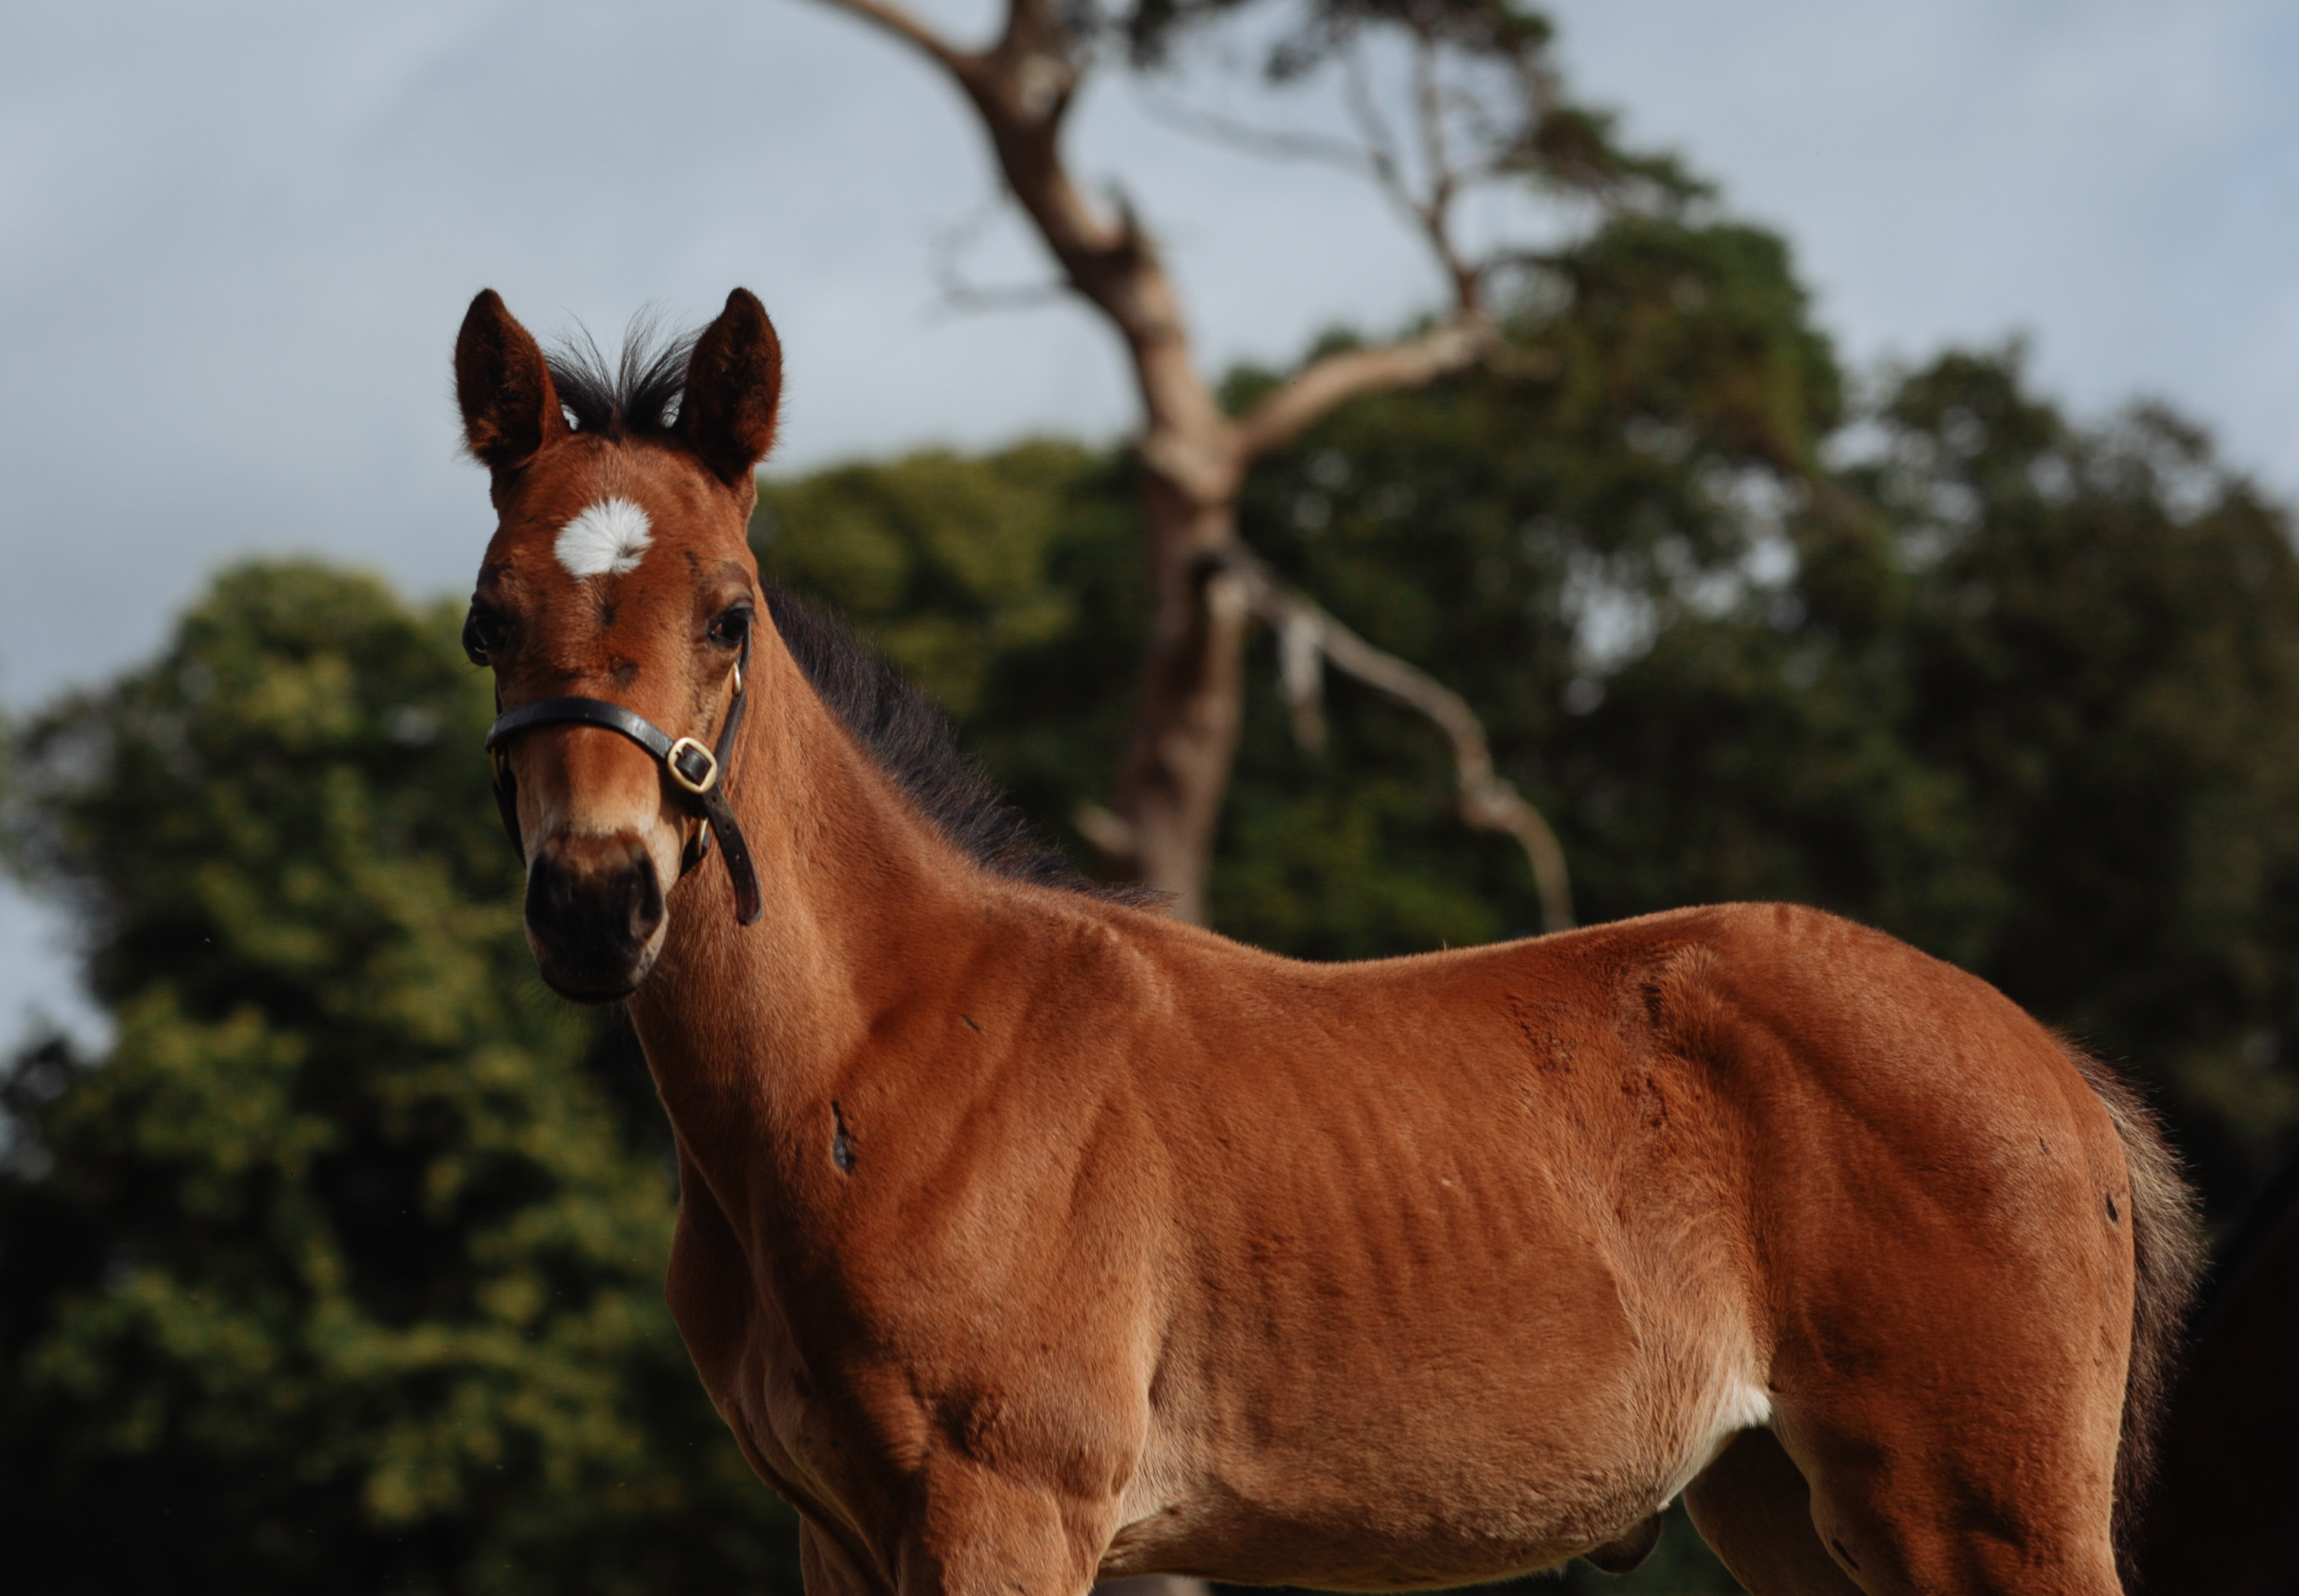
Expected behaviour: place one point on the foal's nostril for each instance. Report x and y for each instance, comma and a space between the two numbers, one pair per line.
592, 909
642, 902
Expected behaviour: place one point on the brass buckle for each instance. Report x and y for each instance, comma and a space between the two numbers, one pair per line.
685, 748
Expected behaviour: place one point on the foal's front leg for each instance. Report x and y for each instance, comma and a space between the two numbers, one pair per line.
981, 1533
826, 1569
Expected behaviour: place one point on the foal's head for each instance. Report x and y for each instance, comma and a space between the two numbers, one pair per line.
618, 572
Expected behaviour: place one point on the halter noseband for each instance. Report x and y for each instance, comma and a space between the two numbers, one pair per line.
695, 773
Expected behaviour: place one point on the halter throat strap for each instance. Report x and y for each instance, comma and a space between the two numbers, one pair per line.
696, 777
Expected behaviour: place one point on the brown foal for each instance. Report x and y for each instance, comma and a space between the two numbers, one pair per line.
1027, 1237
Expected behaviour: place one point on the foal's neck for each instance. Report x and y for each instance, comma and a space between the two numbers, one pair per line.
748, 1029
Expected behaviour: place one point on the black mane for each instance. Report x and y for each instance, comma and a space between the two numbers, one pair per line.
638, 395
914, 743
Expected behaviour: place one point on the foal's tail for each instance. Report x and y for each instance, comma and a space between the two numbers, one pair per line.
2167, 1245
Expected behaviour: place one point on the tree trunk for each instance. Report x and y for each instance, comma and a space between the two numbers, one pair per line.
1175, 770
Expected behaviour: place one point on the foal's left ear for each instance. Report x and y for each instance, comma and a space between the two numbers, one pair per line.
733, 385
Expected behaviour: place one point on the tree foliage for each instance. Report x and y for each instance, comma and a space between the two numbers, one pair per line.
1485, 102
343, 1265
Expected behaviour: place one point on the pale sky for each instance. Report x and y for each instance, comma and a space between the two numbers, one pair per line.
235, 240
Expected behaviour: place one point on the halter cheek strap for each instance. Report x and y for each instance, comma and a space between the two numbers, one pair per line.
696, 775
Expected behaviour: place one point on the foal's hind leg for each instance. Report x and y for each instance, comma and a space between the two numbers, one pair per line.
1754, 1511
1966, 1490
1901, 1517
1973, 1503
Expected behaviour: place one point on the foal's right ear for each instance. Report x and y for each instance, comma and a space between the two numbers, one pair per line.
511, 410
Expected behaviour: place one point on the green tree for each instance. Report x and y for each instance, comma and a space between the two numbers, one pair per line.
1007, 584
342, 1265
2104, 648
1438, 104
1518, 539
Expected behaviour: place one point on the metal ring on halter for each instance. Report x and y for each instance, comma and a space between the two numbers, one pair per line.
687, 754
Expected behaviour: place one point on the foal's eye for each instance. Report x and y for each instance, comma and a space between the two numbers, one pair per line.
730, 629
484, 631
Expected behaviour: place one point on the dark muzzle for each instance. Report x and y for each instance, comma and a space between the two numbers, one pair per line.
592, 909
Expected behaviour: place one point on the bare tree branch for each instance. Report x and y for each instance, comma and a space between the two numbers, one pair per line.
1489, 801
1379, 140
970, 299
1022, 88
1302, 676
1278, 143
1336, 378
1446, 181
1111, 834
1429, 113
910, 30
962, 297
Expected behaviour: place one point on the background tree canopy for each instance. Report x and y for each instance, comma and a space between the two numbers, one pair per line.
343, 1262
343, 1266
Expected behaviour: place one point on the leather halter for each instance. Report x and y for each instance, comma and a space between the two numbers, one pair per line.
696, 775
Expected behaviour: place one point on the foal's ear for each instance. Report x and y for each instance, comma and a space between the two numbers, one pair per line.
733, 385
511, 410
